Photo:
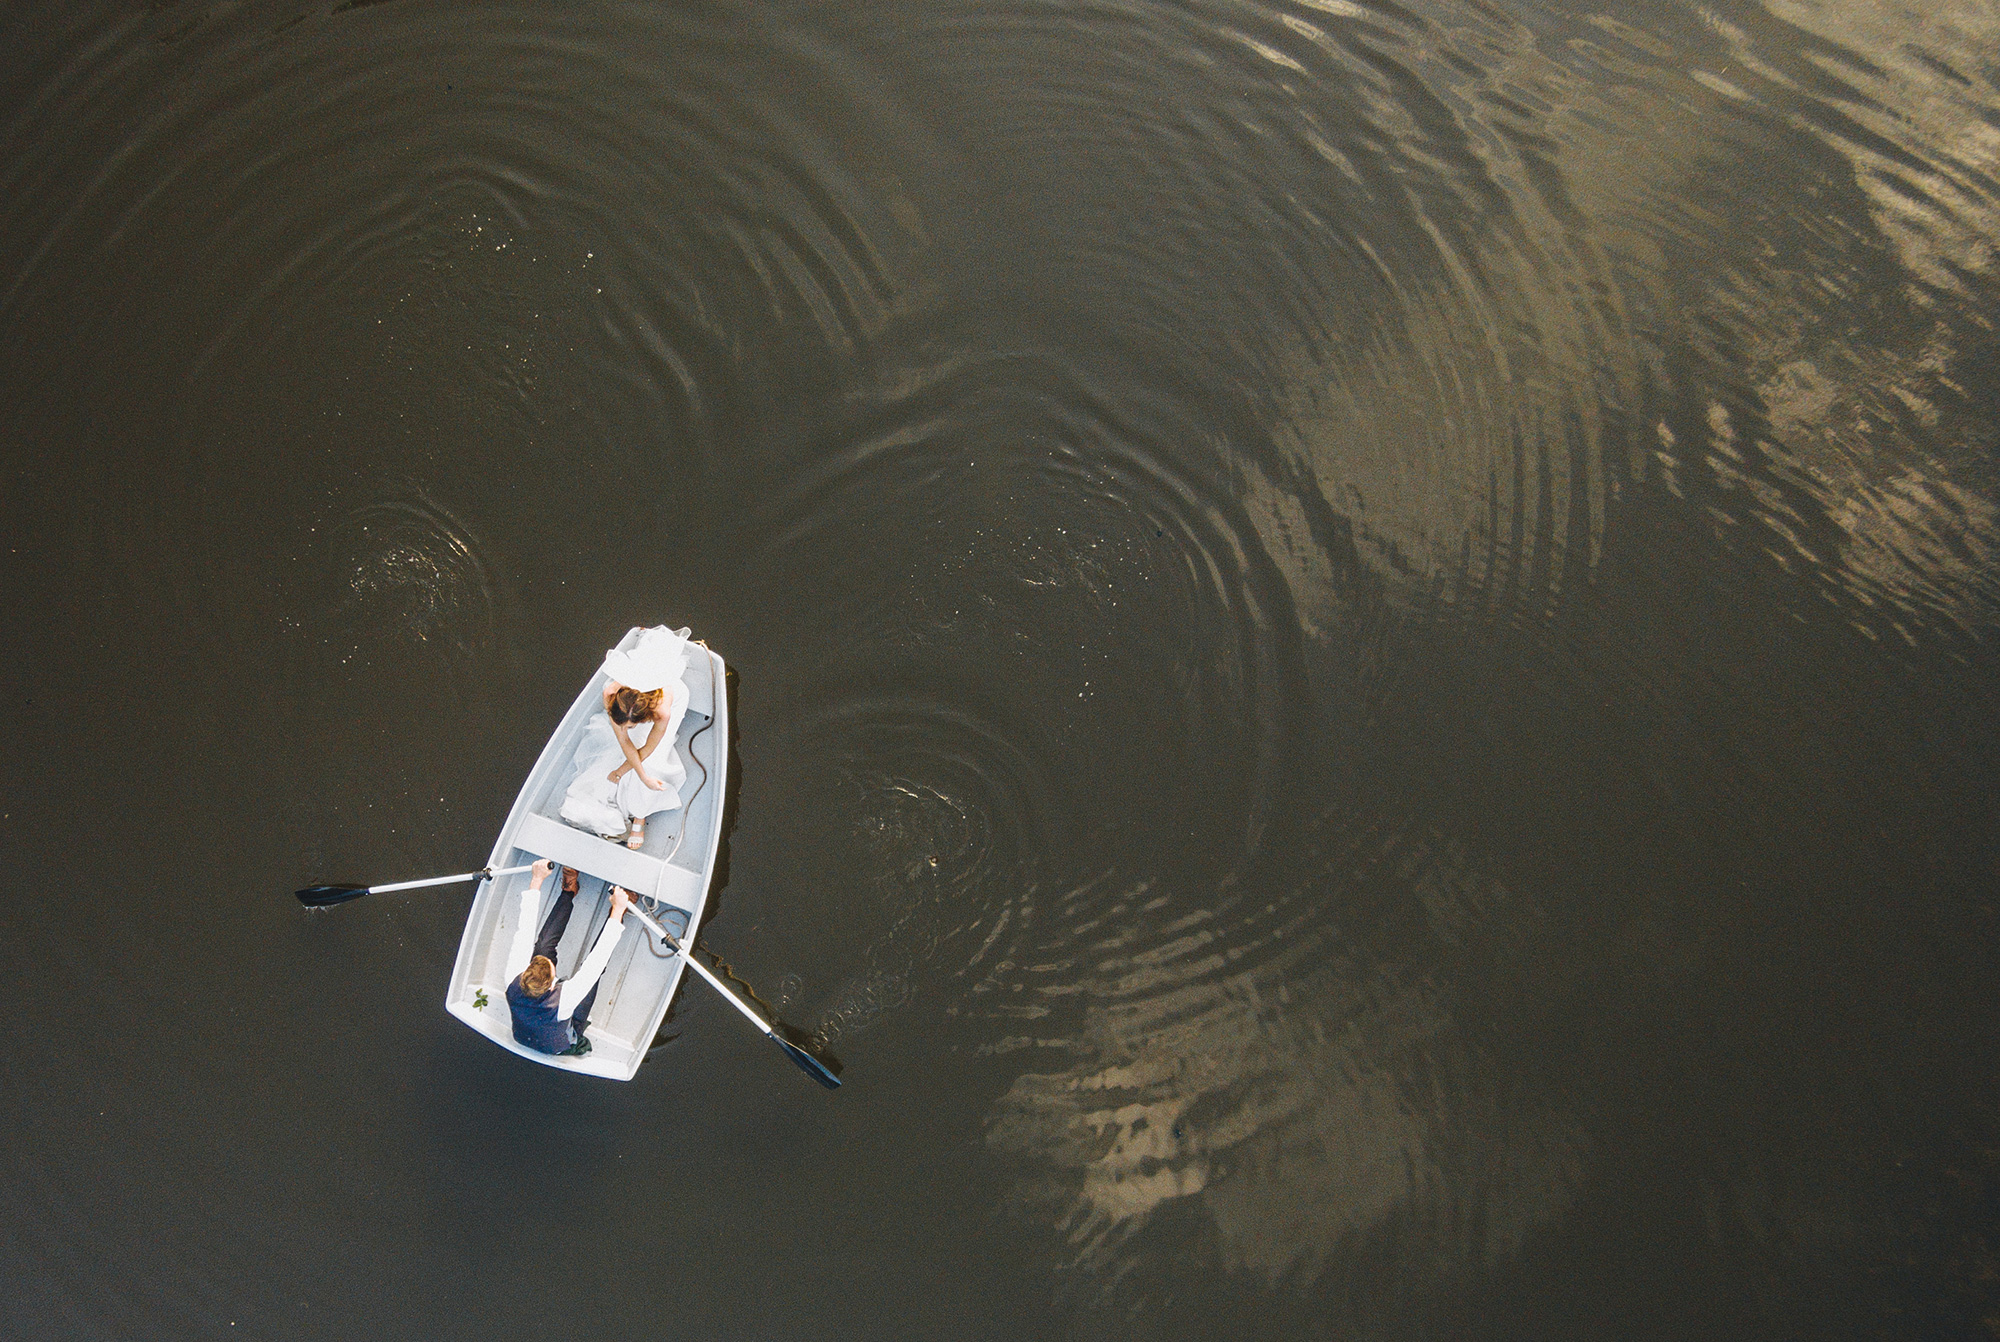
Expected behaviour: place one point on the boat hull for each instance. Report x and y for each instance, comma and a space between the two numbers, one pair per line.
673, 871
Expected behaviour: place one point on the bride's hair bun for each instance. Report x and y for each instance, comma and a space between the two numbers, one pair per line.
629, 705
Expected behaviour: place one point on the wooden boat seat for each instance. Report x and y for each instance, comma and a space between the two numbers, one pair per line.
540, 836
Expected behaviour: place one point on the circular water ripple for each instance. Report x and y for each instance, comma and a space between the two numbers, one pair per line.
1145, 581
415, 286
1343, 215
1279, 1072
1156, 583
397, 573
937, 816
1421, 231
1126, 918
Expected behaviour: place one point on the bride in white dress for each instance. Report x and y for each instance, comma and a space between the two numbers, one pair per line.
626, 766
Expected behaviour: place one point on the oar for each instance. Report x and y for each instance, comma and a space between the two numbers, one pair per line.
808, 1064
319, 896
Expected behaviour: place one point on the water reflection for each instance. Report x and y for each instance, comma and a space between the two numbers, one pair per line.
1458, 436
1264, 541
1241, 1061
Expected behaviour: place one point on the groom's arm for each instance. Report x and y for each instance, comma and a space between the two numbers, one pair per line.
578, 985
522, 949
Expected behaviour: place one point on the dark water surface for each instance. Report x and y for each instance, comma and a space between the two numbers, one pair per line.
1365, 645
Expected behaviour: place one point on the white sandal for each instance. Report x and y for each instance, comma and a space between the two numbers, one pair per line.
635, 838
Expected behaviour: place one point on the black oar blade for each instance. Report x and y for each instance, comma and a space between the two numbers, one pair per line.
810, 1065
319, 896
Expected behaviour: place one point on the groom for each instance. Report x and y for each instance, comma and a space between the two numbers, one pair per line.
550, 1017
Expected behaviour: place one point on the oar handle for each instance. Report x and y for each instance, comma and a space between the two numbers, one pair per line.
448, 880
698, 967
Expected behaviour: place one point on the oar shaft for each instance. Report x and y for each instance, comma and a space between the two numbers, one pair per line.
734, 1000
699, 968
446, 880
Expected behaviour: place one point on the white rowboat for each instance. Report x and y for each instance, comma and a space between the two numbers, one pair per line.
670, 877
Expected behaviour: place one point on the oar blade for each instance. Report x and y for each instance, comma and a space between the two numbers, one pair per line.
319, 896
810, 1065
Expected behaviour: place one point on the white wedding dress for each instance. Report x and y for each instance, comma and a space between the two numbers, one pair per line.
593, 801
